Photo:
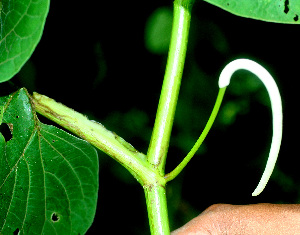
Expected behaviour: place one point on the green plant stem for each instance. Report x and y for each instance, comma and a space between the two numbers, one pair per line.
157, 152
157, 209
107, 141
159, 143
149, 172
170, 176
99, 136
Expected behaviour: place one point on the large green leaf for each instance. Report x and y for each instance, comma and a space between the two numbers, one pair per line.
279, 11
22, 23
48, 178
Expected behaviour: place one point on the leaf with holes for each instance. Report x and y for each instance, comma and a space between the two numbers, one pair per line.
48, 178
22, 23
279, 11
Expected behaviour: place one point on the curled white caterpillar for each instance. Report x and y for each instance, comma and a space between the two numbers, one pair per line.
276, 106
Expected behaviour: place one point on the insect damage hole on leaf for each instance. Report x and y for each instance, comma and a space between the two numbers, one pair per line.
54, 217
16, 232
6, 130
286, 6
296, 18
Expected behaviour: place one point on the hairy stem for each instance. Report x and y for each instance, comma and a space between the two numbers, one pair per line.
97, 135
148, 171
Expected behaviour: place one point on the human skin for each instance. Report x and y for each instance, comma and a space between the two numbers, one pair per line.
260, 219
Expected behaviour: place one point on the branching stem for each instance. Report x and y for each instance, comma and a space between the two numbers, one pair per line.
158, 148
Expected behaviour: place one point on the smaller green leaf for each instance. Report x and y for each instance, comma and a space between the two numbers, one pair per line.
278, 11
48, 178
21, 26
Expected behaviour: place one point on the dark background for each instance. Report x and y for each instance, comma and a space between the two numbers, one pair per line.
94, 58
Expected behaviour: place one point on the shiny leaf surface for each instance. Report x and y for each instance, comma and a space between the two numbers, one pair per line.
279, 11
21, 26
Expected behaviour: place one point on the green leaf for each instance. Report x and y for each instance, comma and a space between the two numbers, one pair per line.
279, 11
22, 23
48, 178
